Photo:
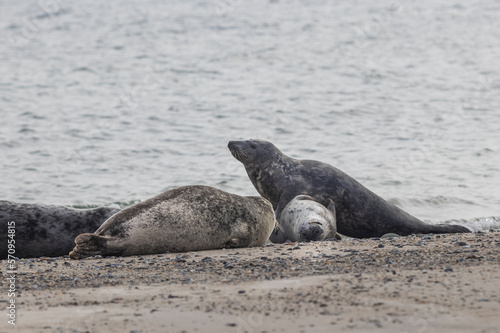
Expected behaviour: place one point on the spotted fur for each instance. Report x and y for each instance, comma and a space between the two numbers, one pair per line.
188, 218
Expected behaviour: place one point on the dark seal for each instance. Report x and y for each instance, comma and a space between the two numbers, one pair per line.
360, 213
47, 231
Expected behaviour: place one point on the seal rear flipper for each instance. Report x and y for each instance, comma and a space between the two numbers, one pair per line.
88, 245
448, 229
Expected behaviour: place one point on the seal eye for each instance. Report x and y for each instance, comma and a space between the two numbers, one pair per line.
253, 146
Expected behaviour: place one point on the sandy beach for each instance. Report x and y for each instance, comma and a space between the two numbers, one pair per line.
420, 283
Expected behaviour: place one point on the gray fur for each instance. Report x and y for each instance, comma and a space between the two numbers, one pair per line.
303, 220
47, 231
189, 218
360, 212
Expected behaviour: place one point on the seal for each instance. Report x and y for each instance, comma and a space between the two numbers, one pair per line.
305, 220
47, 230
360, 213
189, 218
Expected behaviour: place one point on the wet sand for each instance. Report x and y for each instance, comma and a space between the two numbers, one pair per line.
424, 283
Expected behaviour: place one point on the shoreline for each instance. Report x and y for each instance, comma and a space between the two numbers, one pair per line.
417, 283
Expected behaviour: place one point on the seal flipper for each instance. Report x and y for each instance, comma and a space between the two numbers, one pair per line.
331, 208
285, 199
278, 236
236, 243
88, 245
447, 229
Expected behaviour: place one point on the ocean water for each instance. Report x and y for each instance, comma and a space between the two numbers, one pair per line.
110, 103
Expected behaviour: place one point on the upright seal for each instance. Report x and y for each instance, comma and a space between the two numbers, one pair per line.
360, 212
46, 230
189, 218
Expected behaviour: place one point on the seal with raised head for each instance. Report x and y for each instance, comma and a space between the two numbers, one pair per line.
47, 230
360, 212
189, 218
304, 220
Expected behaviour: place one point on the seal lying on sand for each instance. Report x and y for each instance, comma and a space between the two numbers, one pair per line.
360, 212
47, 231
188, 218
304, 220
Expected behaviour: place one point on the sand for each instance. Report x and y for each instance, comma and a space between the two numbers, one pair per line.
422, 283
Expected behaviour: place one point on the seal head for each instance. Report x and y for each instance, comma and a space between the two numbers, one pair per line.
304, 220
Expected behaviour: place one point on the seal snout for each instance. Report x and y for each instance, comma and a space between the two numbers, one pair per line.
236, 150
311, 232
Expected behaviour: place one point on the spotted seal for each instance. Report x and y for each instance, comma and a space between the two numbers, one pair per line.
47, 230
360, 212
303, 220
188, 218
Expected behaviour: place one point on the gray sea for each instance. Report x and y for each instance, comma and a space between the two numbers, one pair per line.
110, 103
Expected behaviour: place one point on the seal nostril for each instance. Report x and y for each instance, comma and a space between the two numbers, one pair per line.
312, 233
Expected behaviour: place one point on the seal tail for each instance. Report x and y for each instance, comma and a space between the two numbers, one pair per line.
447, 229
88, 245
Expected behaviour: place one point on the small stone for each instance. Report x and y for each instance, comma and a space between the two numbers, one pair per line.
381, 245
462, 243
448, 269
241, 291
231, 324
178, 258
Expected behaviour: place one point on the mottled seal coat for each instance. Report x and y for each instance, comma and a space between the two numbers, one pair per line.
360, 212
304, 220
47, 231
188, 218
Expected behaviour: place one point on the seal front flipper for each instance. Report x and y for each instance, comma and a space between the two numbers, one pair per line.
331, 208
88, 245
278, 235
285, 199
